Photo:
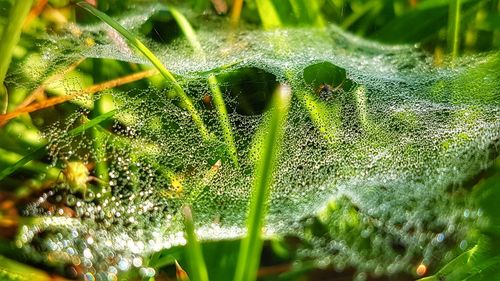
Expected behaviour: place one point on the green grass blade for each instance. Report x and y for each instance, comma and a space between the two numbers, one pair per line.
133, 40
39, 152
193, 248
453, 27
188, 30
12, 33
218, 99
268, 14
11, 270
251, 245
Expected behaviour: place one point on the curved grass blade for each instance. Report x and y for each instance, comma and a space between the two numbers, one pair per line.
41, 150
251, 245
9, 38
218, 99
180, 273
11, 34
133, 40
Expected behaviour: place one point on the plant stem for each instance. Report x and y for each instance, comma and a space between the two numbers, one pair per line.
133, 40
236, 12
251, 245
453, 27
218, 98
193, 247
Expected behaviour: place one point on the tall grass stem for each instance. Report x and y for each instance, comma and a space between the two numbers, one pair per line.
193, 247
453, 27
251, 245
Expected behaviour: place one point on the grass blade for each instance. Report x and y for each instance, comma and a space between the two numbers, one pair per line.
39, 152
9, 39
11, 34
13, 270
268, 14
236, 13
453, 27
133, 40
193, 247
218, 99
251, 245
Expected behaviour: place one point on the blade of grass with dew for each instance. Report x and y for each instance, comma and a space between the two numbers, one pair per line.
218, 99
133, 40
473, 264
37, 153
318, 112
193, 248
251, 245
453, 27
10, 36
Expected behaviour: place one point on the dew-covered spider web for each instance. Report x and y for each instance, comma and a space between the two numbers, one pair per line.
377, 146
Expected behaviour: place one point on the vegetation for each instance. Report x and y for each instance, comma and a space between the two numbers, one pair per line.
249, 140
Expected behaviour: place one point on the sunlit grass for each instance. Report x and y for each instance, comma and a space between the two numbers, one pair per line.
251, 245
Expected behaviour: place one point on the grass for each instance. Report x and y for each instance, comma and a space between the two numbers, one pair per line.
193, 249
10, 37
453, 37
268, 14
251, 245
